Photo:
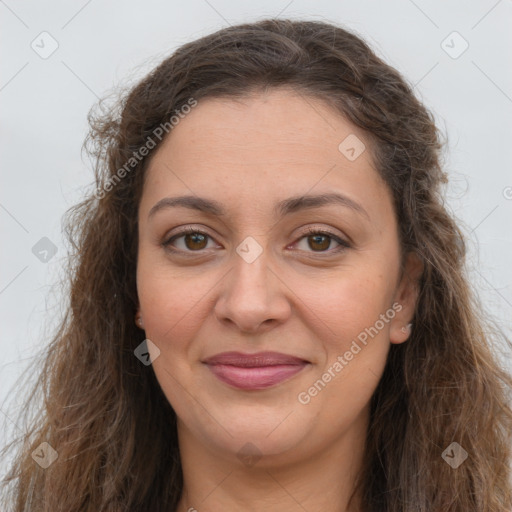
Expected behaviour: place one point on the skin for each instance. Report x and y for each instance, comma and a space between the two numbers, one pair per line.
298, 297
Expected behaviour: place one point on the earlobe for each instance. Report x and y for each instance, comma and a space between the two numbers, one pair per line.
399, 334
406, 329
406, 294
138, 320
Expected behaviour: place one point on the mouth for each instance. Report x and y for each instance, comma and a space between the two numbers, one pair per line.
254, 371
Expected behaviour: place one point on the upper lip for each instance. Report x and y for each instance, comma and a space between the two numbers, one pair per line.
258, 359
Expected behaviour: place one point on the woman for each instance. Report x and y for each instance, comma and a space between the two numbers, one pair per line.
268, 302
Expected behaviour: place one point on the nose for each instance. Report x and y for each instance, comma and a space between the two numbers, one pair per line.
253, 298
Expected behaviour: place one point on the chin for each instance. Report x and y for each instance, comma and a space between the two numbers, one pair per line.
258, 441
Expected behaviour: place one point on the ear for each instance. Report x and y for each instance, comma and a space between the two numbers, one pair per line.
406, 296
138, 318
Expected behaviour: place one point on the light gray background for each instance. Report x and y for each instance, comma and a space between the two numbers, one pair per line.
103, 44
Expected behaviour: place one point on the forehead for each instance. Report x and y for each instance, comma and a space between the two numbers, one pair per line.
280, 120
268, 145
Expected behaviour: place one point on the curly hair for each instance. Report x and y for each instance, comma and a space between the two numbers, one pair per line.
105, 413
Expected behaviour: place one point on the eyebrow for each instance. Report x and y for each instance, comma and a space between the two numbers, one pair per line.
282, 208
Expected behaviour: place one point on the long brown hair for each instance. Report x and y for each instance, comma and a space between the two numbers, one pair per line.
104, 412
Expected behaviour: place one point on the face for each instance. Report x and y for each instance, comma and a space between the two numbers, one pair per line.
256, 272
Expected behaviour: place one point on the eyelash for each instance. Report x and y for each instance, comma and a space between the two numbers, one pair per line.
343, 244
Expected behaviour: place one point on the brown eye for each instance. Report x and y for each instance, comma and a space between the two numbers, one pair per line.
319, 242
195, 241
192, 241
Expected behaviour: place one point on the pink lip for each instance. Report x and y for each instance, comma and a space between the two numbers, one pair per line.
254, 371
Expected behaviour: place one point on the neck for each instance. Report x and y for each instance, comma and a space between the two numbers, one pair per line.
215, 481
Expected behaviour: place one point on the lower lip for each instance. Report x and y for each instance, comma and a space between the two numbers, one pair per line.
255, 378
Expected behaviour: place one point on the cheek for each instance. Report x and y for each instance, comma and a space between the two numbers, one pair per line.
345, 306
171, 304
173, 310
358, 312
